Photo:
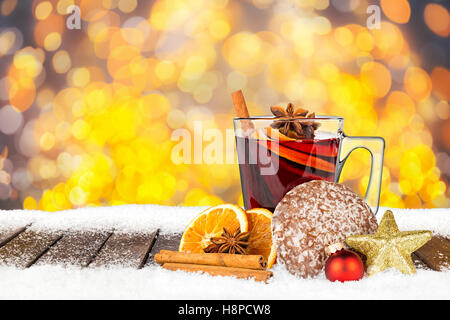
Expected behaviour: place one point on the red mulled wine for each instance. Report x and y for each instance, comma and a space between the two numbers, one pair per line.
296, 162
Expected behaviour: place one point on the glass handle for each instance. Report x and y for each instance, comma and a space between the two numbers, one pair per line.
375, 146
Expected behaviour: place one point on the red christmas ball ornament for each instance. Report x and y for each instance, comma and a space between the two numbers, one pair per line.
344, 265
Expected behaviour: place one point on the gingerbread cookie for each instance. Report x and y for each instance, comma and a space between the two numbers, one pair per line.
313, 215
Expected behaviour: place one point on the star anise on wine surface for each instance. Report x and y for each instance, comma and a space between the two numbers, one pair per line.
287, 122
229, 242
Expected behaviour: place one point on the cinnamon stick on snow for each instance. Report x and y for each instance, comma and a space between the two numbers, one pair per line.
241, 110
242, 273
256, 262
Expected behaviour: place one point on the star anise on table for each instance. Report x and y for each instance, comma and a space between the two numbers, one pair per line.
229, 242
288, 123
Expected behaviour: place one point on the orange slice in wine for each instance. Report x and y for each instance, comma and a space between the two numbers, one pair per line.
260, 240
210, 223
299, 157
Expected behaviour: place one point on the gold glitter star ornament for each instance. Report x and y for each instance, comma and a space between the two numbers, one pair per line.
389, 247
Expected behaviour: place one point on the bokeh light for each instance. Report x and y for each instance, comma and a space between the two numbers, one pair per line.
437, 19
398, 11
86, 116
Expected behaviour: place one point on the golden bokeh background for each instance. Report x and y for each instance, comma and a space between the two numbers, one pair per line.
86, 116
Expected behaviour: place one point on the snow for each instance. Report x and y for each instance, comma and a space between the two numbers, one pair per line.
436, 220
54, 282
132, 218
51, 282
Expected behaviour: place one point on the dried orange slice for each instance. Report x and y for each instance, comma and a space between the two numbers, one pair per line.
210, 223
260, 240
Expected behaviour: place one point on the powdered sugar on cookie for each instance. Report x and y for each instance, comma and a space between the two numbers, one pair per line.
312, 216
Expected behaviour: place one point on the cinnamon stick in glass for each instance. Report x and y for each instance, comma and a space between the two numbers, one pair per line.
242, 273
241, 110
256, 262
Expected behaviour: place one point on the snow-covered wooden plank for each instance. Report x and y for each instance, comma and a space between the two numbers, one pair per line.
418, 263
164, 242
27, 248
9, 233
125, 250
436, 253
76, 248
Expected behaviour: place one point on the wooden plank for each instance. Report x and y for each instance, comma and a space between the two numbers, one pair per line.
436, 253
7, 234
27, 248
76, 248
164, 242
418, 263
125, 250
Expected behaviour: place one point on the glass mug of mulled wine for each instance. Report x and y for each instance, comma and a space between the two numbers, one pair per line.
272, 163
